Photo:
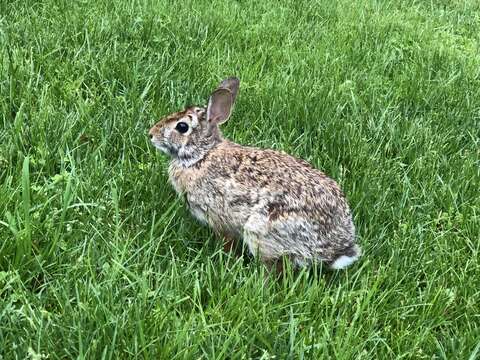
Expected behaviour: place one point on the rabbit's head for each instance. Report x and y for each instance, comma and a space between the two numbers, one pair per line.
188, 135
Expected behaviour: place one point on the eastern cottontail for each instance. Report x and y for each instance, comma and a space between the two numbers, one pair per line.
277, 204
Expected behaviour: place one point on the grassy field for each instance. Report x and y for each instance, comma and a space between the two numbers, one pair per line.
100, 260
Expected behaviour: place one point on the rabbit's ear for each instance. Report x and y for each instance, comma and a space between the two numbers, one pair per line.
232, 84
220, 106
222, 100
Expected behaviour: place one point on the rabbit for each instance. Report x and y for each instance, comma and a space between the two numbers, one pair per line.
278, 205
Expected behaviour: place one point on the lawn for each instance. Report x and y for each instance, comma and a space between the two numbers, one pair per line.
99, 259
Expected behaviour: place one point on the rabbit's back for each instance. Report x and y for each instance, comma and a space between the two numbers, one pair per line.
278, 204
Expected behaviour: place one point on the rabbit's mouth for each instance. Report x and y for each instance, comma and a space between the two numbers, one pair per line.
165, 148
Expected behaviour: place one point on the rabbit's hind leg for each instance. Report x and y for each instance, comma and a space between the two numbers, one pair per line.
258, 240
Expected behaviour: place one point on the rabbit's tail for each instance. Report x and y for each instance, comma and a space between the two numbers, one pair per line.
348, 257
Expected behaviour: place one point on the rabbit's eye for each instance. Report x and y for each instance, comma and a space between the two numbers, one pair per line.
182, 127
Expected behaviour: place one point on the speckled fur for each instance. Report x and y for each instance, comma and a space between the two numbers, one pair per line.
277, 204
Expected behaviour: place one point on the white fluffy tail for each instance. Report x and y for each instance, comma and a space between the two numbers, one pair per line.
344, 260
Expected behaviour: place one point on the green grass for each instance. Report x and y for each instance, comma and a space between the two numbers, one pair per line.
99, 259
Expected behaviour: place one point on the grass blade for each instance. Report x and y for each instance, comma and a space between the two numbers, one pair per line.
24, 241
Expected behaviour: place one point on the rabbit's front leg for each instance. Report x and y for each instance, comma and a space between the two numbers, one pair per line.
230, 244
